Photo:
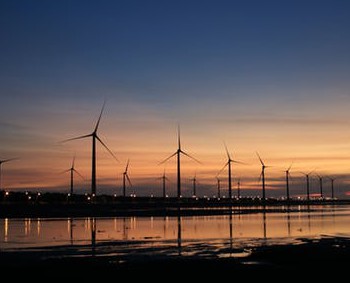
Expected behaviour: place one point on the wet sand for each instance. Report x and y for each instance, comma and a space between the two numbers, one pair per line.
313, 257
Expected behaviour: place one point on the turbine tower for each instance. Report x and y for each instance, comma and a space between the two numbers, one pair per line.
218, 187
72, 170
262, 176
320, 178
178, 153
2, 162
287, 181
332, 185
307, 175
126, 178
194, 183
239, 188
94, 137
164, 178
228, 164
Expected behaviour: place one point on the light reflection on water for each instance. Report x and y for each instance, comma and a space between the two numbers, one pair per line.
232, 229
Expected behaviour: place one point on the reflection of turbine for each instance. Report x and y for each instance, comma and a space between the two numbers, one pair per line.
264, 223
2, 162
288, 222
307, 175
231, 231
287, 180
126, 178
178, 153
179, 235
262, 175
72, 170
93, 235
228, 164
70, 228
95, 137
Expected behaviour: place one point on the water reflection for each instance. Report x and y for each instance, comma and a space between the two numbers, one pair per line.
93, 235
264, 224
231, 230
179, 235
6, 229
179, 230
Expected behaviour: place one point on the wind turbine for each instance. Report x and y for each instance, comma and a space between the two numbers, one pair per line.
126, 178
178, 153
194, 183
239, 188
2, 162
164, 179
94, 137
321, 185
262, 175
307, 175
72, 170
287, 180
332, 185
228, 164
218, 187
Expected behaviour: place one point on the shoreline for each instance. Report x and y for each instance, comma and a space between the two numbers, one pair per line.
155, 208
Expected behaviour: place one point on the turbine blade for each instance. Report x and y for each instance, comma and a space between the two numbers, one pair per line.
260, 177
127, 177
77, 138
106, 147
222, 169
126, 167
228, 154
73, 162
81, 176
238, 162
290, 167
165, 160
262, 162
8, 160
65, 171
99, 118
184, 153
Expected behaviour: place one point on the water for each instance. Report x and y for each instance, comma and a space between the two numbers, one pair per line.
174, 235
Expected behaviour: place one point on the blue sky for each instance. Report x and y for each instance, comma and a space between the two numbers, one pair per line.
271, 74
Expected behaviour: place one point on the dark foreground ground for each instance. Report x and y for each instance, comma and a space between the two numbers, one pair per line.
319, 258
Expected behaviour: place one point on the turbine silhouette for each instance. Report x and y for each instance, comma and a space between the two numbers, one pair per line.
72, 170
320, 178
218, 187
307, 175
2, 162
262, 176
178, 153
228, 164
287, 181
164, 178
332, 185
194, 185
239, 188
126, 179
94, 137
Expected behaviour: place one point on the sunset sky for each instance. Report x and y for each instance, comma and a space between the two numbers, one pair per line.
262, 76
